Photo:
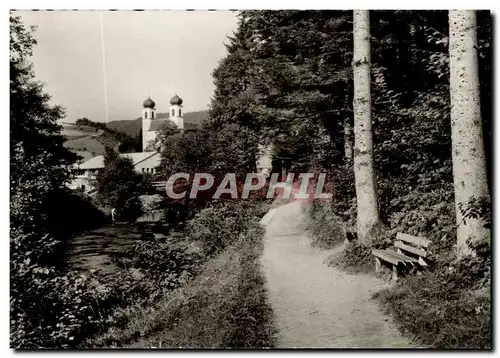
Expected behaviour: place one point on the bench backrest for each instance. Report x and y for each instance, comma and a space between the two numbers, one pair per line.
413, 244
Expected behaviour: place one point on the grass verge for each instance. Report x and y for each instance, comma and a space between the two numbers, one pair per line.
355, 258
438, 315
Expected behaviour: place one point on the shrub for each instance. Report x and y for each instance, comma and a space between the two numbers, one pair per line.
355, 258
49, 310
131, 209
168, 264
222, 224
432, 309
326, 228
430, 215
448, 307
151, 202
69, 213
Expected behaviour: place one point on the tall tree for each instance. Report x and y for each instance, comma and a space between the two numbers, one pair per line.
300, 74
469, 165
119, 185
368, 218
167, 129
39, 162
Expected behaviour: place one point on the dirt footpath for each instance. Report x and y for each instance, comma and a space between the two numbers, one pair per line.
317, 306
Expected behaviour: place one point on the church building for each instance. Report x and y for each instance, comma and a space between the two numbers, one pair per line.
147, 162
151, 121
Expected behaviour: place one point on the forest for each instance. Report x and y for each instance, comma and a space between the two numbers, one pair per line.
395, 106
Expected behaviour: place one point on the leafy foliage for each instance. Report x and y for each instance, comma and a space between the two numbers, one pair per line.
119, 186
168, 264
448, 307
476, 208
167, 129
355, 258
326, 229
53, 311
223, 224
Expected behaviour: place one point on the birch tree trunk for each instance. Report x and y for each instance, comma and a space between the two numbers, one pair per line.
348, 151
469, 164
368, 218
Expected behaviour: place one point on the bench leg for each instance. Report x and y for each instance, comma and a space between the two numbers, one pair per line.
378, 265
394, 273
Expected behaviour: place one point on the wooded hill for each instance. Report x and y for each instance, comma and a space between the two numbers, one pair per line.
132, 127
88, 138
88, 141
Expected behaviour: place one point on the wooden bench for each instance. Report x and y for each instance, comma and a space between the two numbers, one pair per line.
410, 251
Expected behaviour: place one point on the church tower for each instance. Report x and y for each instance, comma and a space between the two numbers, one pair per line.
176, 114
148, 115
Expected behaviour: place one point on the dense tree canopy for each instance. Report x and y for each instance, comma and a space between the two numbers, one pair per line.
118, 185
39, 162
287, 77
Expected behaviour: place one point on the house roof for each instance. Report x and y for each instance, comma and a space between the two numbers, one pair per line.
98, 161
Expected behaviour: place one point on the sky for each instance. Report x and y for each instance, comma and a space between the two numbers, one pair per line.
147, 53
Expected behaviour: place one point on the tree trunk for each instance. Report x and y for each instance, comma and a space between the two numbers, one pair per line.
469, 165
348, 140
368, 218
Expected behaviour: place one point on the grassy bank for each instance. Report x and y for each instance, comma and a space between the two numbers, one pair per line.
325, 228
438, 314
224, 306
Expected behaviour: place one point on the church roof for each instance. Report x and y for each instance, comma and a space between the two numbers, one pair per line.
176, 100
98, 161
149, 103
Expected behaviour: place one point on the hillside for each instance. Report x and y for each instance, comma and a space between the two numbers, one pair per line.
132, 127
87, 141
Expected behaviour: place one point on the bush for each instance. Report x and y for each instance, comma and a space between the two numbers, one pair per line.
355, 258
326, 228
49, 310
223, 224
131, 209
168, 264
69, 213
437, 313
448, 307
430, 215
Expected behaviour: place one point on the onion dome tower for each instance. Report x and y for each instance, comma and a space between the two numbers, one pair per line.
176, 111
148, 115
